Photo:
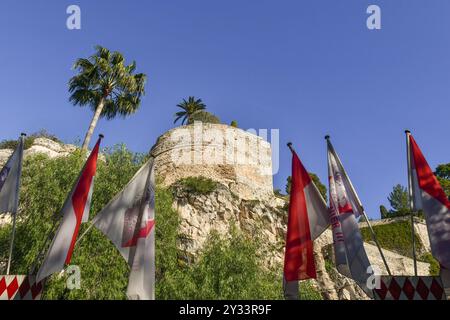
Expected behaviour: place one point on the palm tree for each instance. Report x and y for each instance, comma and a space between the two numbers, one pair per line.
189, 107
107, 86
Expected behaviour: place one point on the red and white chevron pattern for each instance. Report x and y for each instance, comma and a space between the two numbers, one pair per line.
20, 287
410, 288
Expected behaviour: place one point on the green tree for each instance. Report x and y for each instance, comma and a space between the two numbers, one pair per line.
234, 124
317, 182
399, 201
189, 107
107, 86
443, 175
384, 212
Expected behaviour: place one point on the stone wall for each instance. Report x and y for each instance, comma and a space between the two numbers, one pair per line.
231, 156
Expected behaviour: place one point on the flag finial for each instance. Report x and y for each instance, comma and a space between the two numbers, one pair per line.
407, 131
327, 137
101, 136
289, 144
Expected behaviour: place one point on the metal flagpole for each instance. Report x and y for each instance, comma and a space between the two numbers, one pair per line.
16, 204
372, 232
411, 198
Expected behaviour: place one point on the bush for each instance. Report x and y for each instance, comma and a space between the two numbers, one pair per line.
203, 116
197, 185
434, 268
230, 268
394, 236
234, 124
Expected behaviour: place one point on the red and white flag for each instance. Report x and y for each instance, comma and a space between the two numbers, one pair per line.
74, 212
128, 221
429, 196
350, 256
307, 219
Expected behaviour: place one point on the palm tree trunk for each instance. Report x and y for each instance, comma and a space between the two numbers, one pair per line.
93, 124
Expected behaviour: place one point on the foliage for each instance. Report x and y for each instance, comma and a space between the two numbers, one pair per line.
45, 185
322, 188
434, 264
399, 201
104, 75
443, 175
234, 124
29, 140
394, 236
204, 117
279, 194
384, 213
229, 268
188, 107
197, 185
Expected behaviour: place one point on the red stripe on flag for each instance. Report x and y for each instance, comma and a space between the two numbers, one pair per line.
427, 180
81, 194
142, 233
299, 258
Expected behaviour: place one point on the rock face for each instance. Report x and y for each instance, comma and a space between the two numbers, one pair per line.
41, 146
200, 214
236, 158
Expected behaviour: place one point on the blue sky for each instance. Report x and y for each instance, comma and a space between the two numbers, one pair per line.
308, 68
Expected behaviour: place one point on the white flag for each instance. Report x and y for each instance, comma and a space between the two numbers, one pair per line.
74, 212
10, 181
128, 221
350, 255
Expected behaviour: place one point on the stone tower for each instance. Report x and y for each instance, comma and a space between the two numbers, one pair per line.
236, 158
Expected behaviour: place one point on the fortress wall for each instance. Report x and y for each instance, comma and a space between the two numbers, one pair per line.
232, 156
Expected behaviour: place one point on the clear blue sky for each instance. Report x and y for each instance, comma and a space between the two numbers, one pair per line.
306, 67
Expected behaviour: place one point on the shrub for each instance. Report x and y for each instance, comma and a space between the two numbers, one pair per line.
394, 236
434, 268
231, 268
234, 124
197, 185
203, 116
29, 140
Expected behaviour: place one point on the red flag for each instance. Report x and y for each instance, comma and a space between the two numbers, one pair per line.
429, 196
74, 212
308, 218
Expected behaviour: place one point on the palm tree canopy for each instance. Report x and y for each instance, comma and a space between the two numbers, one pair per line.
189, 107
105, 76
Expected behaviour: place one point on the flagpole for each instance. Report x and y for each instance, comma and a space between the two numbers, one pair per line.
16, 204
411, 198
372, 232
